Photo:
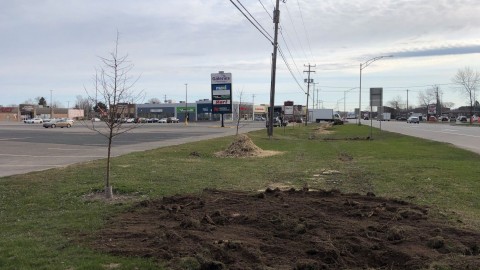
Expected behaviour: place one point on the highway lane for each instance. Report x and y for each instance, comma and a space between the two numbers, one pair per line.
30, 147
460, 135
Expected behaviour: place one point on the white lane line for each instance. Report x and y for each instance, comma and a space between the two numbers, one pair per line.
453, 132
23, 165
460, 134
32, 156
69, 149
8, 139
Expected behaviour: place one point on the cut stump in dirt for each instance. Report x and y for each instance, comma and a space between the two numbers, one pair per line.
242, 147
288, 230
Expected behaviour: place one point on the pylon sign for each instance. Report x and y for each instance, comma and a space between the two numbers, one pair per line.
376, 97
221, 92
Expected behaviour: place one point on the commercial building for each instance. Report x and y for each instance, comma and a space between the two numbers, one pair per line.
200, 110
28, 111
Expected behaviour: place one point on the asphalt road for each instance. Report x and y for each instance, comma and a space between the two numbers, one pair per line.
30, 147
461, 135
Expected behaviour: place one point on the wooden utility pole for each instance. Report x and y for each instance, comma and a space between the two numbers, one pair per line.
308, 89
276, 20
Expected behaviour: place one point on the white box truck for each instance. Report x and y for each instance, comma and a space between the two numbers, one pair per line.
327, 115
386, 116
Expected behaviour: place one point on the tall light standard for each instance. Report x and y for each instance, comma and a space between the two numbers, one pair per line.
345, 100
186, 102
51, 105
362, 66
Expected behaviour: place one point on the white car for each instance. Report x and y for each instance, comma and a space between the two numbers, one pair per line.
130, 120
163, 120
33, 121
413, 119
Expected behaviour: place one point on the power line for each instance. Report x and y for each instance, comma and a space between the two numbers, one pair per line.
254, 19
296, 33
290, 70
305, 28
290, 53
265, 9
271, 41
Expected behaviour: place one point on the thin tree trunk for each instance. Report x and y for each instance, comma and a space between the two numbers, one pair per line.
108, 188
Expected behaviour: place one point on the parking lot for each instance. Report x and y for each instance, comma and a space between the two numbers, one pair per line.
30, 147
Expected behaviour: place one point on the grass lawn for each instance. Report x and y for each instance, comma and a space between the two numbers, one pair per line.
45, 215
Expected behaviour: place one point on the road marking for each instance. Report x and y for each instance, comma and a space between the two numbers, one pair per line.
8, 139
32, 156
66, 149
452, 132
24, 165
459, 134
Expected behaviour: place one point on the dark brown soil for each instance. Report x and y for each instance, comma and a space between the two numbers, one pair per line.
288, 230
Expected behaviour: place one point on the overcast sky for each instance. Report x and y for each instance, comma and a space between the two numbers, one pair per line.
56, 45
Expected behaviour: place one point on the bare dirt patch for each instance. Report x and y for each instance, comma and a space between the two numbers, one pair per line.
243, 147
288, 230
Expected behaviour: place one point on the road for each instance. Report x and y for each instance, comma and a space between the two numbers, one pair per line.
463, 136
30, 147
25, 148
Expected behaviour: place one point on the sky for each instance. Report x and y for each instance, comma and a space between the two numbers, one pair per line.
52, 48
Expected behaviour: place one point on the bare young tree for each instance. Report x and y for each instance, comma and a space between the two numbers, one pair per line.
426, 97
154, 101
238, 111
114, 87
468, 81
396, 103
84, 103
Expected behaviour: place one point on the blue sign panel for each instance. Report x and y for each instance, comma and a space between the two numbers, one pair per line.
221, 92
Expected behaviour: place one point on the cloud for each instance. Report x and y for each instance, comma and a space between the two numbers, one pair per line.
442, 51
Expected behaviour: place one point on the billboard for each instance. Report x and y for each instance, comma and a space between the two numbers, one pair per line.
221, 92
376, 97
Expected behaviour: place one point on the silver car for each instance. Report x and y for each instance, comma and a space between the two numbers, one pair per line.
413, 119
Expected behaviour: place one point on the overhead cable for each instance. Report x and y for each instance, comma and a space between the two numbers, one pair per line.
265, 35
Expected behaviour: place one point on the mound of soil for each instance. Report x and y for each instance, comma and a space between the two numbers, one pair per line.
288, 230
243, 146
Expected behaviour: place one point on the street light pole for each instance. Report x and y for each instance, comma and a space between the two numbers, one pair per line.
51, 105
345, 101
186, 104
362, 66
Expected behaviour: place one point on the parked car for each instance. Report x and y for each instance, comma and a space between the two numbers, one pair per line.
173, 120
61, 123
259, 118
162, 120
413, 119
33, 121
443, 118
462, 119
96, 119
401, 118
276, 122
130, 120
141, 120
68, 120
